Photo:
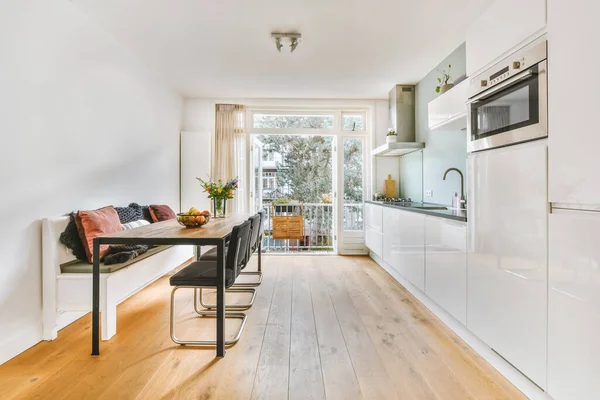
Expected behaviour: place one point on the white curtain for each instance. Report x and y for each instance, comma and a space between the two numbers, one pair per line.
230, 154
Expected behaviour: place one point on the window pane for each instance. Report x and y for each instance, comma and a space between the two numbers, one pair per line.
293, 121
353, 184
353, 122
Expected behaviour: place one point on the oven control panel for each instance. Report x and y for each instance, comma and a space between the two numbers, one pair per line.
509, 67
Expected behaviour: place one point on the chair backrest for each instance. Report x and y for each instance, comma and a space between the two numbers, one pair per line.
238, 247
255, 221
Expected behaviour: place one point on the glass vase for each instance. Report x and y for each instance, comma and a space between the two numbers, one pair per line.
219, 207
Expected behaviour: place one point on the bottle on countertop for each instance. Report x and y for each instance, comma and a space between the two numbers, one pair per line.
456, 200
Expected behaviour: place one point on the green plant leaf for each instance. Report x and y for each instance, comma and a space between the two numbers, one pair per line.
440, 80
437, 89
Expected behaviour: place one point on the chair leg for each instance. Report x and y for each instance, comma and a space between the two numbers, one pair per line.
237, 315
249, 284
237, 307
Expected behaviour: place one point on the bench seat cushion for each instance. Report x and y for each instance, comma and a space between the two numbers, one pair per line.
201, 273
79, 267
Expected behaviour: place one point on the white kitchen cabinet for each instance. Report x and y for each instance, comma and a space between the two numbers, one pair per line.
448, 111
374, 228
503, 26
574, 305
404, 244
573, 104
446, 265
507, 266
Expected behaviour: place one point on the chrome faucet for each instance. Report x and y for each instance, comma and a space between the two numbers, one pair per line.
462, 203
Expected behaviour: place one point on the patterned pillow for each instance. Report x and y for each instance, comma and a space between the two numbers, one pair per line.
133, 212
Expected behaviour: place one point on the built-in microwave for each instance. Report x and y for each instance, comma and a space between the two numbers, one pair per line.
508, 103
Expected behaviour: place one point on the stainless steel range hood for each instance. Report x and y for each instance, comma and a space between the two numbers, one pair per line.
401, 120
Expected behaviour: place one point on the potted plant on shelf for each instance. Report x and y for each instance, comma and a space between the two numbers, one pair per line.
444, 81
219, 192
391, 137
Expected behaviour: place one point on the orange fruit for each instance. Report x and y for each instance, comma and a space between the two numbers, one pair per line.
205, 212
201, 219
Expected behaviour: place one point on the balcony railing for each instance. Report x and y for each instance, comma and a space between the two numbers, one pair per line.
318, 228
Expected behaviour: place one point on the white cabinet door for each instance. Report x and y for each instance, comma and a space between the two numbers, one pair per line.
404, 244
574, 305
507, 267
504, 25
373, 228
448, 111
574, 136
446, 265
374, 217
391, 237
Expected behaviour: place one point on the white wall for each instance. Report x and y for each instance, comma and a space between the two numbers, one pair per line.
83, 124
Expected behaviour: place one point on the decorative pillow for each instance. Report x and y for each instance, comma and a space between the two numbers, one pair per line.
161, 213
91, 224
70, 238
135, 224
133, 212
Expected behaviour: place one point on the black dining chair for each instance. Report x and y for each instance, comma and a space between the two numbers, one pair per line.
202, 274
256, 238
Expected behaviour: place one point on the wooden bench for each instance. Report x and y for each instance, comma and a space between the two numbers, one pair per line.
67, 282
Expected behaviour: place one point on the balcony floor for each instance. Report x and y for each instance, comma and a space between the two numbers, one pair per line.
329, 326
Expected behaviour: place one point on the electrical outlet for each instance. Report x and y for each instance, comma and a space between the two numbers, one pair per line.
429, 193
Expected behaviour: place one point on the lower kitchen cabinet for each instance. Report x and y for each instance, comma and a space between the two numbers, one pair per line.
574, 305
404, 244
446, 265
374, 228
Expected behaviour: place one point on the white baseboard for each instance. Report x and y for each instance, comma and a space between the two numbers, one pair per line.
20, 341
67, 318
522, 383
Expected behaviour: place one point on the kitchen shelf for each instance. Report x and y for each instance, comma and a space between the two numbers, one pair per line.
397, 149
448, 111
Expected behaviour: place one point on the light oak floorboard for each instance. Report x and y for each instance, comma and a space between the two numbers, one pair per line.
321, 327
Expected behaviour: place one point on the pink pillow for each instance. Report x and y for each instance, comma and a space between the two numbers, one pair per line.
91, 224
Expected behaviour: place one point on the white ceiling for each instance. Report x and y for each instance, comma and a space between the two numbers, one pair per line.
349, 49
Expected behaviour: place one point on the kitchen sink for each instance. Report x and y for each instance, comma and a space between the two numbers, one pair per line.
430, 207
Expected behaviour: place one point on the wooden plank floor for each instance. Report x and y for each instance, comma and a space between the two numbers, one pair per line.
321, 327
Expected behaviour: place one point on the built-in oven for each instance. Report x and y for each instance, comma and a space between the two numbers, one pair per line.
508, 103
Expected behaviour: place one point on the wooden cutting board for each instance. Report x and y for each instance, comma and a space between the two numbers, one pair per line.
389, 186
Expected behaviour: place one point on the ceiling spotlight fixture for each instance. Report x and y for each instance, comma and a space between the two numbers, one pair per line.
278, 44
293, 37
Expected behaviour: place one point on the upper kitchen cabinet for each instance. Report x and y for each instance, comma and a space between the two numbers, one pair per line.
448, 112
573, 102
503, 26
574, 301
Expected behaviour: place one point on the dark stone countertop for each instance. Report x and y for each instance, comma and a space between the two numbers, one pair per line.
450, 213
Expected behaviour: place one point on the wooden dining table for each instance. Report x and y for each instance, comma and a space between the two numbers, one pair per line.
170, 233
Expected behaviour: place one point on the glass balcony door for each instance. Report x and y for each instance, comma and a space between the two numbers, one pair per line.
351, 189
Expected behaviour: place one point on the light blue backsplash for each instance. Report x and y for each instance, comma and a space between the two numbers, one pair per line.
423, 171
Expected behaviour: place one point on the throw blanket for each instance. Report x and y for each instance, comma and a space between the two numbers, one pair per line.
121, 254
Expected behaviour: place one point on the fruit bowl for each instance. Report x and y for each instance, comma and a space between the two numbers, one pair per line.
193, 218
